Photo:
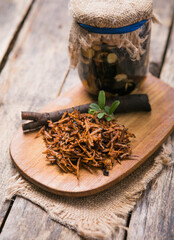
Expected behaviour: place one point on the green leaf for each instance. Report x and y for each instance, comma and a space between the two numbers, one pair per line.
109, 118
94, 106
101, 99
91, 111
114, 106
100, 115
107, 108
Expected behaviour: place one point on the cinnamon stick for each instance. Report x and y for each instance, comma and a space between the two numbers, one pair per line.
128, 103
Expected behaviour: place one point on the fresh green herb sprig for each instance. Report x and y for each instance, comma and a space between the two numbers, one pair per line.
101, 110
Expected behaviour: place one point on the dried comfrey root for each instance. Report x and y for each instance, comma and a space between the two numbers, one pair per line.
81, 140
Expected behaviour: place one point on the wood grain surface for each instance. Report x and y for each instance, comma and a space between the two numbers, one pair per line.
154, 214
160, 33
150, 129
41, 227
12, 15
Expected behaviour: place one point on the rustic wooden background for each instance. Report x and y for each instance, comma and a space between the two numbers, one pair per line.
33, 66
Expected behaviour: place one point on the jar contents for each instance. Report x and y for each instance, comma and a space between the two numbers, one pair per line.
105, 66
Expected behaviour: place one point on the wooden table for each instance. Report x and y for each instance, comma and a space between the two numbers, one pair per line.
33, 67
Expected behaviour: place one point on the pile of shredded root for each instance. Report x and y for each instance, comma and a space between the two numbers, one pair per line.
81, 140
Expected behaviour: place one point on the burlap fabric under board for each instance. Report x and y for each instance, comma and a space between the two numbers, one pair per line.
98, 216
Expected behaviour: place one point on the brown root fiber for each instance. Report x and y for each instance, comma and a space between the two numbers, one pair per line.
81, 140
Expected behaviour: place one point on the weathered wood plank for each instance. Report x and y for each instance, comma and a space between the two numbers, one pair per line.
40, 53
12, 14
160, 32
4, 212
34, 224
32, 75
167, 73
153, 217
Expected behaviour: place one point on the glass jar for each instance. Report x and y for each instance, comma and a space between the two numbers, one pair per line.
105, 66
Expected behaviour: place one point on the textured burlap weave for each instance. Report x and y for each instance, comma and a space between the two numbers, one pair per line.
110, 13
99, 216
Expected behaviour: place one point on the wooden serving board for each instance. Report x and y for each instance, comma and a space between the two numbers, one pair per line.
150, 128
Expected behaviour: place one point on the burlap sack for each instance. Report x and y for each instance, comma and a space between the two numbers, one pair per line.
108, 14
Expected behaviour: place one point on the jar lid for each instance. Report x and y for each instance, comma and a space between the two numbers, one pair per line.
110, 13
